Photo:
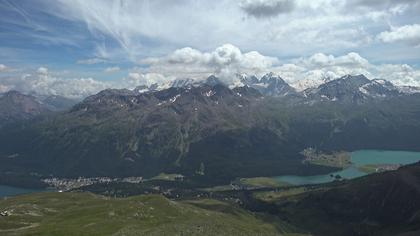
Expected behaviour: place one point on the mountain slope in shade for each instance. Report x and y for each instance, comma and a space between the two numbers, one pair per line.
15, 106
380, 204
121, 132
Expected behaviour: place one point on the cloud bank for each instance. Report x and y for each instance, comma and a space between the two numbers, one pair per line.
409, 34
266, 8
226, 62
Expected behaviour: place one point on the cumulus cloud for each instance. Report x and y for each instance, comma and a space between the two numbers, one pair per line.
45, 84
381, 3
409, 34
4, 88
3, 68
311, 71
135, 79
318, 68
224, 61
42, 70
401, 74
266, 8
112, 69
227, 61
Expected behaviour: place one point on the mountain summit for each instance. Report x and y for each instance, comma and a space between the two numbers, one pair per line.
269, 85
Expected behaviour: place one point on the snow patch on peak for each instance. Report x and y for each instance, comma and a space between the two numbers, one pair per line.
172, 100
209, 93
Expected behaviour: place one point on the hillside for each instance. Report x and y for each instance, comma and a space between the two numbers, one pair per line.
379, 204
88, 214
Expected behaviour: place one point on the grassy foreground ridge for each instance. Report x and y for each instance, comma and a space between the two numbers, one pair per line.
89, 214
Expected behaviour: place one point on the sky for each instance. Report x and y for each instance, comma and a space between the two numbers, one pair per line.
77, 48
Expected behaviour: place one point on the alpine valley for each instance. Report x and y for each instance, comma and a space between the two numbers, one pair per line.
193, 140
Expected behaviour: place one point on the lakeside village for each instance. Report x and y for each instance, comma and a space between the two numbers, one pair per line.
69, 184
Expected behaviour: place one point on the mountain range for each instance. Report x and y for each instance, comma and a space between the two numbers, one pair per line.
15, 106
206, 130
349, 88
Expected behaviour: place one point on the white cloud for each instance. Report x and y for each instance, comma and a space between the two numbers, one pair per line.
382, 4
266, 8
3, 68
409, 34
313, 70
42, 70
132, 30
402, 74
224, 61
43, 82
4, 88
91, 61
135, 79
112, 69
350, 60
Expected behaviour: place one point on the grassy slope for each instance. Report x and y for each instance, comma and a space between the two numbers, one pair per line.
89, 214
260, 182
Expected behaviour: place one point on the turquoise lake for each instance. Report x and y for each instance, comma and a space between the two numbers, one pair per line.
358, 158
6, 191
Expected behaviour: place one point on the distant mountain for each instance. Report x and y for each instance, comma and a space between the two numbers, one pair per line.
347, 89
353, 89
210, 132
308, 83
59, 103
179, 83
269, 85
15, 106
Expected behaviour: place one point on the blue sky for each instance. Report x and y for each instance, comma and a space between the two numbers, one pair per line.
94, 44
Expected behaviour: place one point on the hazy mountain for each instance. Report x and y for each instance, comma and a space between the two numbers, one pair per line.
353, 89
269, 85
15, 106
59, 103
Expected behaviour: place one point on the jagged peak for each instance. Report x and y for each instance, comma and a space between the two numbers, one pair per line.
359, 78
213, 80
13, 93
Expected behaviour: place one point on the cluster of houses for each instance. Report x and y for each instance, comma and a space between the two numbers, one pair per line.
68, 184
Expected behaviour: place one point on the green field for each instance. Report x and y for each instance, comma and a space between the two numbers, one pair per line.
368, 169
260, 182
335, 159
284, 194
89, 214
